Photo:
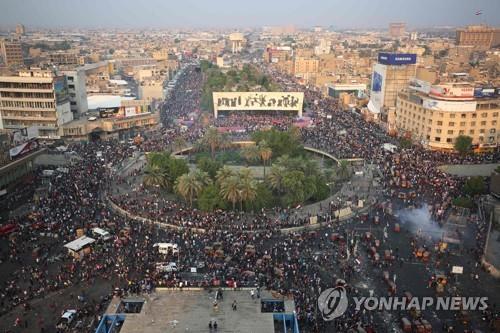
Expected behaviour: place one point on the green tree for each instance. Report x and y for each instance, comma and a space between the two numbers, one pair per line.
213, 140
343, 170
405, 143
463, 144
293, 185
210, 199
474, 186
223, 174
248, 187
463, 202
208, 165
275, 178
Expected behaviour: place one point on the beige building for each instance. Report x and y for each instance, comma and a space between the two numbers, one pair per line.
20, 30
11, 52
236, 42
64, 58
436, 118
36, 98
478, 35
397, 30
305, 67
150, 89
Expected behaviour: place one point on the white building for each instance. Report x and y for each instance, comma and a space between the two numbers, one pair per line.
77, 90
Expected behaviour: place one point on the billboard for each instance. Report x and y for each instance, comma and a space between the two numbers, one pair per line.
130, 111
108, 112
377, 88
256, 101
23, 149
397, 58
130, 108
453, 92
481, 92
61, 90
459, 106
419, 85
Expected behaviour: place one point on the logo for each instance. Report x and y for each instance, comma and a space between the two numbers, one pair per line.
332, 303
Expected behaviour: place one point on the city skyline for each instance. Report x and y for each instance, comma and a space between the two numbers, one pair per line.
226, 14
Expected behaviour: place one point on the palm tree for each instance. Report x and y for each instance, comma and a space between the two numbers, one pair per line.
189, 186
179, 143
230, 189
265, 154
212, 139
343, 170
250, 153
276, 177
223, 174
248, 190
154, 176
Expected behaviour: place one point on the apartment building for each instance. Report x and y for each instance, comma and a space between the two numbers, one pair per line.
35, 98
11, 51
478, 35
77, 90
436, 115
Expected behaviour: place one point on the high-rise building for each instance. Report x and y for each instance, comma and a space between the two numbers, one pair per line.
478, 35
35, 98
12, 52
397, 30
236, 42
77, 90
20, 30
435, 115
390, 75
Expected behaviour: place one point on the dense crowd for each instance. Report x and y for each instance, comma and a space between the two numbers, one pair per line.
298, 264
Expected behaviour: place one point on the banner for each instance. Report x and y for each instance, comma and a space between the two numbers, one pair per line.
23, 149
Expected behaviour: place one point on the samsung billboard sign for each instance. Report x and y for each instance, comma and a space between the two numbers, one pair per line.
397, 58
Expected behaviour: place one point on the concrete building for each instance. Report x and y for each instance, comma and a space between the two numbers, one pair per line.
11, 52
357, 89
36, 98
236, 42
64, 58
436, 115
150, 89
77, 90
397, 30
324, 47
20, 30
191, 309
305, 67
478, 35
390, 75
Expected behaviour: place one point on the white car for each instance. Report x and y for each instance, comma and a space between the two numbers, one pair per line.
67, 318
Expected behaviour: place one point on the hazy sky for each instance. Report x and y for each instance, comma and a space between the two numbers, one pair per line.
245, 13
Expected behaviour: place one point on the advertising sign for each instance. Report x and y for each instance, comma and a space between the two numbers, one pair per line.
484, 92
397, 58
420, 85
108, 112
130, 111
458, 106
61, 90
452, 92
377, 88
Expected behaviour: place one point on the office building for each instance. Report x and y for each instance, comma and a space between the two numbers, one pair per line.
35, 98
77, 90
11, 51
435, 115
478, 35
390, 75
305, 67
64, 58
397, 30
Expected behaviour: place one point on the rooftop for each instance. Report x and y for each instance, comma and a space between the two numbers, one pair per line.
79, 243
176, 311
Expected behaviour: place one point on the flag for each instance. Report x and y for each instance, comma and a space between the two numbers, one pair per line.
479, 12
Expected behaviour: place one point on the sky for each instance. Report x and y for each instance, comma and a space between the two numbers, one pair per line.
247, 13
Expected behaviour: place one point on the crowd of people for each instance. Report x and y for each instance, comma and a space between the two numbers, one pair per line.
249, 250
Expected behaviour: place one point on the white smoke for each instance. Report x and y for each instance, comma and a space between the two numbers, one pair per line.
420, 222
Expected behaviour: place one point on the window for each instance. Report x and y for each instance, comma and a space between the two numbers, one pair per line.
482, 130
471, 132
473, 123
494, 122
495, 114
461, 132
474, 115
437, 138
484, 115
439, 123
449, 140
492, 131
440, 114
450, 131
483, 123
462, 123
463, 115
452, 115
451, 123
438, 131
